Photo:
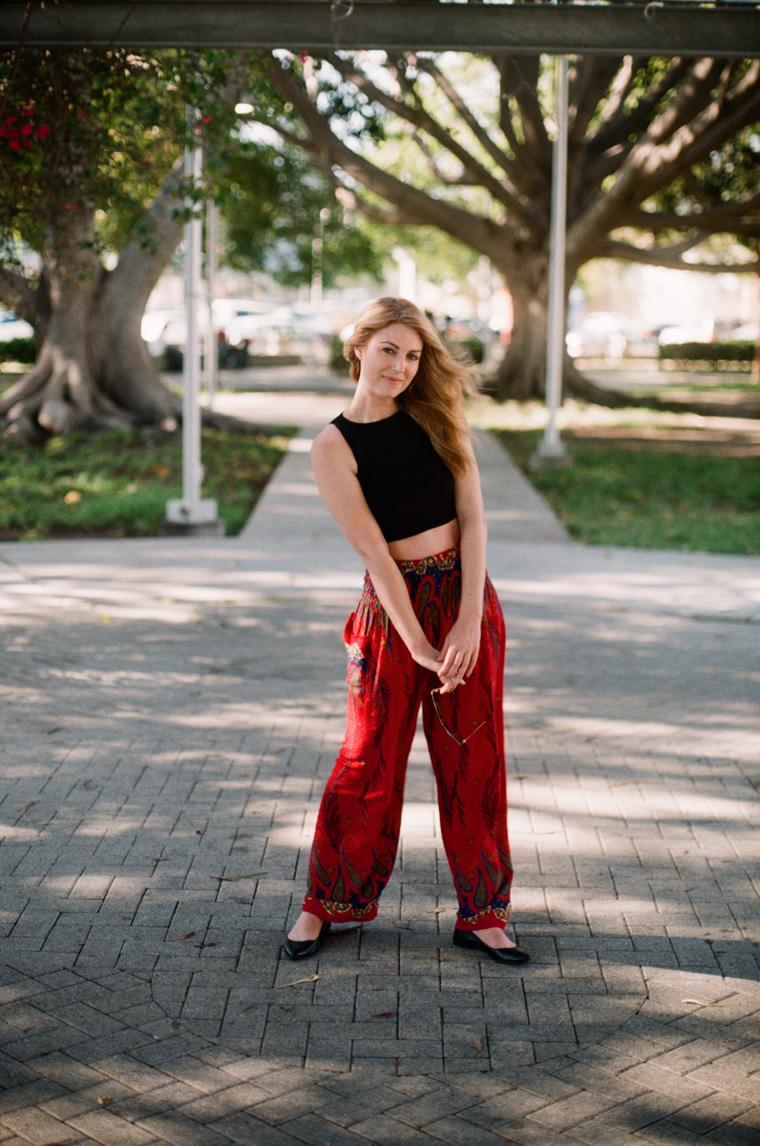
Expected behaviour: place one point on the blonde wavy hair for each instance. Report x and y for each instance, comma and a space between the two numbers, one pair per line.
435, 397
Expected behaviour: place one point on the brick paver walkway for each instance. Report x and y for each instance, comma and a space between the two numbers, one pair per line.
171, 711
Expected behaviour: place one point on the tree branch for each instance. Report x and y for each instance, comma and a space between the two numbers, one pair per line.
460, 107
589, 79
672, 257
519, 78
656, 166
693, 96
722, 218
620, 125
351, 200
477, 231
153, 240
420, 118
654, 162
620, 89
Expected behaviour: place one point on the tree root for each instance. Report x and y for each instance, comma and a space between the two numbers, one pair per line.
510, 381
230, 423
33, 381
579, 386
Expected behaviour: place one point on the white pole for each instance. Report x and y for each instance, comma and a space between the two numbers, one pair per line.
210, 345
315, 287
191, 512
550, 448
407, 273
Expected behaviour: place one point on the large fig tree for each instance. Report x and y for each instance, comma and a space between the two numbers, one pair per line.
91, 208
465, 144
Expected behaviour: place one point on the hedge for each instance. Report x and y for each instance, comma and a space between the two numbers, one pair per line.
710, 353
21, 350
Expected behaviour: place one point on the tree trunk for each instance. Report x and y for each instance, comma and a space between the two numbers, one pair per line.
581, 387
93, 369
521, 374
755, 376
88, 374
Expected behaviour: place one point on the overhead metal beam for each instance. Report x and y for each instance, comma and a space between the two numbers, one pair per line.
317, 25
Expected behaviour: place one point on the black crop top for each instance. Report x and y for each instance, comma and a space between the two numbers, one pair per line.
407, 485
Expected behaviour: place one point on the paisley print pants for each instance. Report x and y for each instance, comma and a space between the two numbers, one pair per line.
357, 830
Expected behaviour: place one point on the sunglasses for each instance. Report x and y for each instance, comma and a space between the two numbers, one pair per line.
459, 740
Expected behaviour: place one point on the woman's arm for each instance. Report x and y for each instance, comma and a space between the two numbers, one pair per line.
460, 649
335, 471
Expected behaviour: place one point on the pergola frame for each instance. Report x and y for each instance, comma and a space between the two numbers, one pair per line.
679, 28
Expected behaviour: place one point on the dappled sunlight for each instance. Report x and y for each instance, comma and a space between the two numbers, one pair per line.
163, 770
676, 583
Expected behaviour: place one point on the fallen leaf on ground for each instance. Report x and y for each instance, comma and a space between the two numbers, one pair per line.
702, 1003
384, 1015
176, 938
104, 1100
234, 878
308, 979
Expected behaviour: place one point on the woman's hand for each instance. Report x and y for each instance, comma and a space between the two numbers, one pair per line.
426, 655
459, 654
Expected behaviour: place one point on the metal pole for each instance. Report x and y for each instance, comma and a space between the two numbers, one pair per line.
407, 273
190, 512
210, 361
550, 448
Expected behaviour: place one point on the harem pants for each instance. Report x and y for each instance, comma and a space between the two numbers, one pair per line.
357, 830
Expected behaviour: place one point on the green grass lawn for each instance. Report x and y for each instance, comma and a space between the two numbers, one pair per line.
651, 498
117, 483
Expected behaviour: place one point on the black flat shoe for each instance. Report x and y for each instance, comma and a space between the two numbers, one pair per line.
470, 940
304, 948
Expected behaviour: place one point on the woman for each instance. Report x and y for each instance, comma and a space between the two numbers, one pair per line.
397, 472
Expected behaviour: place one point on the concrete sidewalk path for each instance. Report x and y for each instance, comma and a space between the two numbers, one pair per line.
172, 708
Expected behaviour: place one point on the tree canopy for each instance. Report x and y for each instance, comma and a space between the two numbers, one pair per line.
92, 206
465, 143
275, 202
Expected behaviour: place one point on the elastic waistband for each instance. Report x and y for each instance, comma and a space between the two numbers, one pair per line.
449, 559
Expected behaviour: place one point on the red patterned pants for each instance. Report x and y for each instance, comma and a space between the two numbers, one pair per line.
357, 831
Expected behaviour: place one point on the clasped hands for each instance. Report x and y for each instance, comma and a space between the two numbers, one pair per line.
456, 659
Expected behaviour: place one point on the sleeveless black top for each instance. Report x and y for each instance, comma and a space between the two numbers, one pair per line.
407, 485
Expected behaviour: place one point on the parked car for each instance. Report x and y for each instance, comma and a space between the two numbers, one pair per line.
165, 331
601, 334
12, 327
696, 332
747, 332
281, 331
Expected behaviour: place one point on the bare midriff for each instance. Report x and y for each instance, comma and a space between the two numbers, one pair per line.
426, 544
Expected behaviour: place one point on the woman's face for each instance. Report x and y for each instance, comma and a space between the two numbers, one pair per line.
389, 360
